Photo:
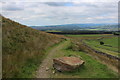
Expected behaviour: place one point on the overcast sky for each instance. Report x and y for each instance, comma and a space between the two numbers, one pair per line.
44, 12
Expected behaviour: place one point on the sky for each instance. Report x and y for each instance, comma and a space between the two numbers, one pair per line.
54, 12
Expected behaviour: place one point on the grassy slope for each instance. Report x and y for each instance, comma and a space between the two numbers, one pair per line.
112, 43
91, 69
23, 48
93, 42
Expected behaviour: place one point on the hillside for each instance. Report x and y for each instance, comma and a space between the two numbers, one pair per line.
23, 48
79, 27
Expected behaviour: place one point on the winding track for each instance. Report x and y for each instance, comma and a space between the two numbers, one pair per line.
43, 71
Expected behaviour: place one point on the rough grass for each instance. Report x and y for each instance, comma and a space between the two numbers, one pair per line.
23, 49
111, 41
91, 69
110, 45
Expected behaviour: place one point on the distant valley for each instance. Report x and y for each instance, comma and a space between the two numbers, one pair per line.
78, 27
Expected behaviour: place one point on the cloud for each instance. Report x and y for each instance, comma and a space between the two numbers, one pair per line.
69, 4
57, 4
49, 13
12, 6
77, 1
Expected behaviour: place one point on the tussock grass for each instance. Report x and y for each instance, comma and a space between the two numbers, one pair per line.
23, 48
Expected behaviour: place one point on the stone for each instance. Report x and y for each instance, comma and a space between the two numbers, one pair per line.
53, 72
67, 63
47, 68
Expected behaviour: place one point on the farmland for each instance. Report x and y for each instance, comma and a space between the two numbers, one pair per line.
89, 35
110, 42
110, 45
107, 53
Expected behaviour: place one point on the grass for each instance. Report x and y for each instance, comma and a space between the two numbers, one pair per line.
107, 51
93, 40
111, 41
91, 69
53, 31
110, 45
28, 71
89, 35
23, 49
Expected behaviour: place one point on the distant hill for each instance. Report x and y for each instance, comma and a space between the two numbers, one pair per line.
23, 48
78, 27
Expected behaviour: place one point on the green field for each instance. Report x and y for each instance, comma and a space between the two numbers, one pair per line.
111, 41
110, 45
93, 40
89, 35
91, 69
53, 31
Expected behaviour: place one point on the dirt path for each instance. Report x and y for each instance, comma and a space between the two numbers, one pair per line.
43, 71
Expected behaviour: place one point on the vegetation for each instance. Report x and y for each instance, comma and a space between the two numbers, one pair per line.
75, 32
89, 35
79, 27
110, 45
91, 69
53, 31
23, 49
109, 57
116, 33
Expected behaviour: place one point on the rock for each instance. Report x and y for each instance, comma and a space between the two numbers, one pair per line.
67, 63
47, 68
42, 66
54, 72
